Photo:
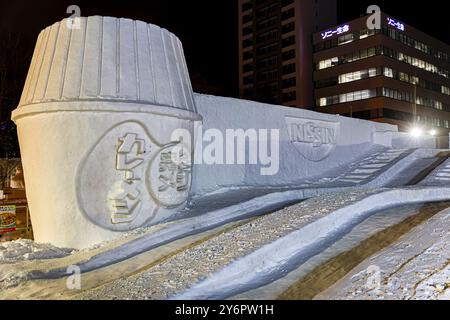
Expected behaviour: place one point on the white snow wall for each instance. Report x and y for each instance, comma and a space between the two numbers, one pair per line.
354, 138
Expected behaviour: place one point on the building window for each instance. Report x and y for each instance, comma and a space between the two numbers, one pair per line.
355, 56
288, 41
288, 14
269, 75
248, 68
418, 63
247, 18
358, 75
433, 122
403, 38
246, 31
266, 10
445, 90
356, 95
326, 82
323, 45
289, 96
273, 86
367, 33
324, 64
289, 83
288, 27
286, 2
288, 55
267, 23
432, 103
388, 72
345, 39
247, 43
247, 6
267, 62
248, 55
268, 48
397, 95
288, 69
370, 52
266, 36
248, 80
347, 97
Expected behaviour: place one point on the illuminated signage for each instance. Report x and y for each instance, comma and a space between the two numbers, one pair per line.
392, 22
338, 30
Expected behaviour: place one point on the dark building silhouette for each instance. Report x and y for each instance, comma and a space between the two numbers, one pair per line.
275, 51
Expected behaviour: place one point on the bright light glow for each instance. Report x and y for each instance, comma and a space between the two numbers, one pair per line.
416, 132
392, 22
433, 132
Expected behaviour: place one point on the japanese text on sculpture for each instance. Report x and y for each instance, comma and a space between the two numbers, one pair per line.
126, 198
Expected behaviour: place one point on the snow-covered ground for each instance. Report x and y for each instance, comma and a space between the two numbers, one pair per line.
325, 268
201, 266
29, 250
236, 241
178, 270
415, 267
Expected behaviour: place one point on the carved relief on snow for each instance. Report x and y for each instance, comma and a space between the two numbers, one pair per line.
127, 178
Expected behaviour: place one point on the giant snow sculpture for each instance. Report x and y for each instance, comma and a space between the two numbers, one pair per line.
102, 128
95, 125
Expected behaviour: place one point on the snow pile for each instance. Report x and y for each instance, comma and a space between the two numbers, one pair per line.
20, 250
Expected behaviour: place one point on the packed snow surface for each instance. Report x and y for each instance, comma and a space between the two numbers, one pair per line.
29, 250
416, 267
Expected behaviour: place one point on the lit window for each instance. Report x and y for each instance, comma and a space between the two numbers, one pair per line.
388, 72
328, 63
372, 72
345, 39
445, 90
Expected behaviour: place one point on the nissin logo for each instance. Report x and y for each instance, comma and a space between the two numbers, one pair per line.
315, 139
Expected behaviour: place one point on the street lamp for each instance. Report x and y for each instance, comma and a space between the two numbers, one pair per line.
416, 132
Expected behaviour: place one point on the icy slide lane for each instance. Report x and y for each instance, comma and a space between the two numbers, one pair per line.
417, 266
381, 230
282, 256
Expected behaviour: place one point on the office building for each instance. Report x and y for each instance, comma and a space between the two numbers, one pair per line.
395, 74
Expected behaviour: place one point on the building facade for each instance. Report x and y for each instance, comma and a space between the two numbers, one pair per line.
275, 51
395, 74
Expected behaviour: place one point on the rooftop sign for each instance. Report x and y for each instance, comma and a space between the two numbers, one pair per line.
397, 24
339, 30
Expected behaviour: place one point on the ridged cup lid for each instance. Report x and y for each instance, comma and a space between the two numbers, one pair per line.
111, 59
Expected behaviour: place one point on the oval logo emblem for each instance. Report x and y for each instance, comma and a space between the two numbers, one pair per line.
127, 179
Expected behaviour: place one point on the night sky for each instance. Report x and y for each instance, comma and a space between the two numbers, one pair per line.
207, 28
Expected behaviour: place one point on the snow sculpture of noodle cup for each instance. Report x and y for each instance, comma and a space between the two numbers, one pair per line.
102, 126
